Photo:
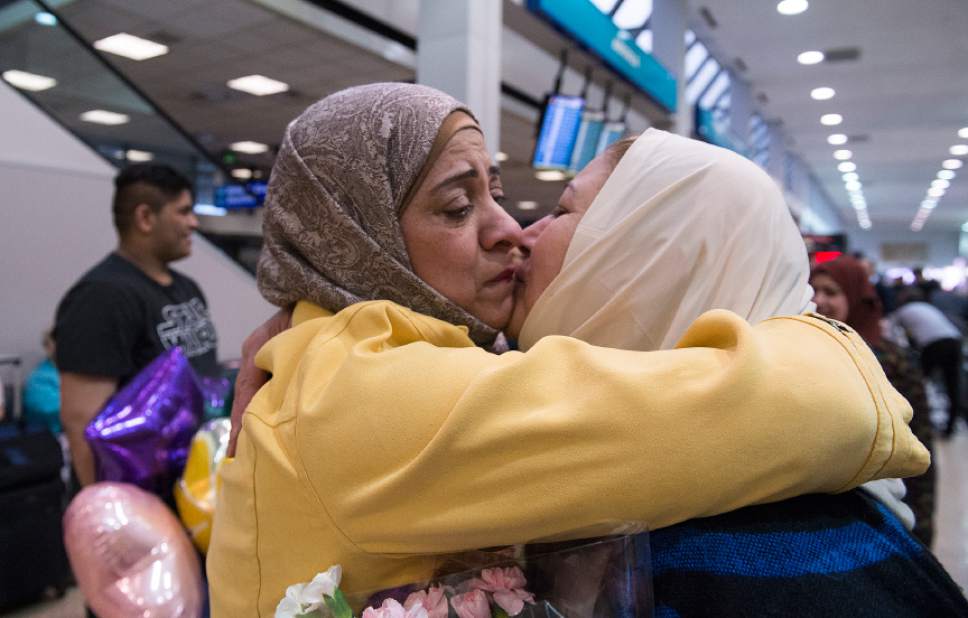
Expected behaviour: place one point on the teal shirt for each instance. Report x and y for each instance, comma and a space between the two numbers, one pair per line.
42, 396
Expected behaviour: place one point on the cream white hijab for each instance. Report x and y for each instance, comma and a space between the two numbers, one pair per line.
680, 227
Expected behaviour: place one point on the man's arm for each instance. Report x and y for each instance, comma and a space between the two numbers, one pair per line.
82, 397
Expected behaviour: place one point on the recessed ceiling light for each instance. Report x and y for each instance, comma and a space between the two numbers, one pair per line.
810, 57
866, 225
853, 185
831, 120
527, 205
28, 81
242, 173
837, 139
249, 147
929, 204
550, 175
847, 166
100, 116
959, 150
792, 7
936, 192
45, 19
963, 133
946, 175
500, 156
850, 177
138, 156
952, 164
822, 94
131, 46
259, 85
859, 205
940, 183
843, 154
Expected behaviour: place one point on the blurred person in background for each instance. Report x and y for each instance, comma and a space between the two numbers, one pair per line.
939, 342
842, 291
42, 390
927, 286
132, 306
884, 291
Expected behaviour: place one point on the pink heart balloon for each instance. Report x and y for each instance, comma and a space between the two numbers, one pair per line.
130, 555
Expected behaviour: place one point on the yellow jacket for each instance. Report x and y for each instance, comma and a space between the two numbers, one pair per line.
385, 436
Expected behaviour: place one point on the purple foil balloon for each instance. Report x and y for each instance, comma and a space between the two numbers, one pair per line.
143, 433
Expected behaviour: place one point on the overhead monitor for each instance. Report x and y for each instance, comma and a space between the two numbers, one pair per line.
586, 143
237, 196
559, 130
611, 133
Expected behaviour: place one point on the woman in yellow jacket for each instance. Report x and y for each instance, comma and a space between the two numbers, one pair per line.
389, 434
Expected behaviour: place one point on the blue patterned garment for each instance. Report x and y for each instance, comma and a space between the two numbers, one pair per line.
818, 555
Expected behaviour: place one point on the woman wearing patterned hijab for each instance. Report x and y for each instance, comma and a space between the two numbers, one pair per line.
388, 435
843, 291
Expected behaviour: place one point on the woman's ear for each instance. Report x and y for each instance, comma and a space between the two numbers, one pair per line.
144, 218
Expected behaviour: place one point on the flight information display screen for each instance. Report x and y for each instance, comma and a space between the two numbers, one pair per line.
559, 130
611, 133
586, 143
233, 196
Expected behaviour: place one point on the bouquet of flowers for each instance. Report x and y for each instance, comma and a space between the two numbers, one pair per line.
588, 579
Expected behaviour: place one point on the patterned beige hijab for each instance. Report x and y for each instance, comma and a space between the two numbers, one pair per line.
332, 223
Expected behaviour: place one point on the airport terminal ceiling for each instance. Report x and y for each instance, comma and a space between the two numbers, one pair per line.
902, 96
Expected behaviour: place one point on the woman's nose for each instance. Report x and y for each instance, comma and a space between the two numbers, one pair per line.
501, 231
531, 233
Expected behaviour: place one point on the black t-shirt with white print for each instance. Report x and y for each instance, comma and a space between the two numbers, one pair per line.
116, 319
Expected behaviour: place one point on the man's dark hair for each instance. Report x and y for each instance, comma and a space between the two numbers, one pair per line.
144, 183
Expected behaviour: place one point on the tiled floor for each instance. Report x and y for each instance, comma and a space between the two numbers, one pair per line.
951, 544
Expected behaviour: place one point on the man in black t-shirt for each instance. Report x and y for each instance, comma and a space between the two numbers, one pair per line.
131, 307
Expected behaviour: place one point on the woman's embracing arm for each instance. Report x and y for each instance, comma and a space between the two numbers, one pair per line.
413, 447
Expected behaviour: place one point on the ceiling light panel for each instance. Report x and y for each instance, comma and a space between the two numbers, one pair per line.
823, 93
28, 81
792, 7
259, 85
810, 57
101, 116
130, 46
249, 147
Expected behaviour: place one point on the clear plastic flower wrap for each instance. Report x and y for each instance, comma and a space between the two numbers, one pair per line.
605, 577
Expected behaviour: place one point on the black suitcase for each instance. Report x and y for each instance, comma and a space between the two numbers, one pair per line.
32, 495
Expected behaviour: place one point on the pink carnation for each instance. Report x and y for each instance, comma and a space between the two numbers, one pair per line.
433, 600
471, 604
507, 587
391, 608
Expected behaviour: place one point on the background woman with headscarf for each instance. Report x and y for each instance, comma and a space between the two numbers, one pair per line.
658, 231
386, 437
842, 291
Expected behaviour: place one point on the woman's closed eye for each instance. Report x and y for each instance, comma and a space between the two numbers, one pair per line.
459, 213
